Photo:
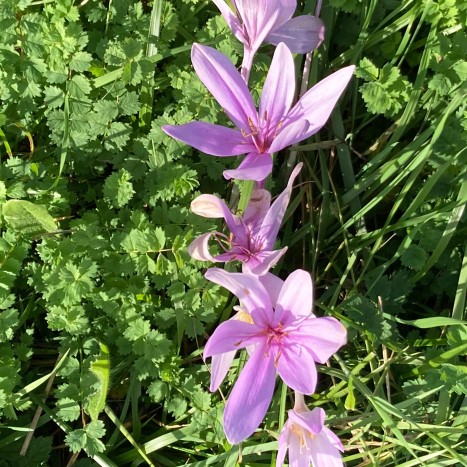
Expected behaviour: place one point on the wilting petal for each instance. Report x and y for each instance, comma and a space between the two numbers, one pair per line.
290, 133
279, 87
272, 221
301, 34
324, 453
262, 262
231, 20
230, 335
317, 103
273, 285
250, 397
199, 248
224, 82
220, 365
296, 296
248, 289
297, 368
254, 167
212, 139
321, 336
312, 421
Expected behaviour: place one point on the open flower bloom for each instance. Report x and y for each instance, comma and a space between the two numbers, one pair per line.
259, 133
252, 235
307, 439
255, 21
220, 364
287, 339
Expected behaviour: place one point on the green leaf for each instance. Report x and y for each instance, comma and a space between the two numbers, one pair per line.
28, 218
414, 257
118, 190
80, 61
101, 369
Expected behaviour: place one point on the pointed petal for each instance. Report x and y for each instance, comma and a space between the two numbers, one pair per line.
254, 167
321, 336
296, 296
301, 34
272, 221
273, 285
290, 133
333, 439
325, 453
224, 82
250, 397
279, 87
311, 421
248, 289
262, 262
220, 365
229, 336
199, 248
231, 20
297, 368
317, 104
214, 140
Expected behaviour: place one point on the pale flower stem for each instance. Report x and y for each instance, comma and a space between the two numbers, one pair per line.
247, 64
300, 405
303, 89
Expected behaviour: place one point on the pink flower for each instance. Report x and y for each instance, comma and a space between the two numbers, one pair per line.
252, 236
259, 133
307, 439
255, 21
287, 340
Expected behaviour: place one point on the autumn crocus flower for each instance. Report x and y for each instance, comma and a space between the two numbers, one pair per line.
287, 339
256, 21
307, 439
259, 133
252, 235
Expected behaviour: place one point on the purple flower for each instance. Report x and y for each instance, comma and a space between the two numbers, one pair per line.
259, 133
307, 439
255, 21
252, 236
287, 339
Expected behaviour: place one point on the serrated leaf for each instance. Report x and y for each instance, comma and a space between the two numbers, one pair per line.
414, 257
118, 190
68, 409
53, 96
79, 87
80, 61
28, 218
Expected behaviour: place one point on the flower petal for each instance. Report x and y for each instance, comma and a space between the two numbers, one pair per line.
254, 167
250, 397
272, 221
231, 20
257, 208
299, 456
279, 87
220, 365
273, 285
323, 453
297, 368
230, 335
291, 133
214, 208
224, 82
199, 248
296, 296
262, 262
301, 34
248, 289
212, 139
311, 421
321, 336
317, 103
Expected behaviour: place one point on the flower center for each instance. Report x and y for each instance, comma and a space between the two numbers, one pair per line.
262, 135
303, 435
